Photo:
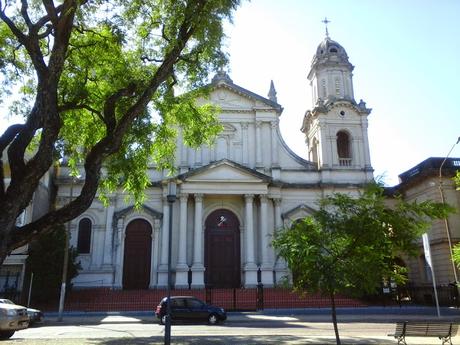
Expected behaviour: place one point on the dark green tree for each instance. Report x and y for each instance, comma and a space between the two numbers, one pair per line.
456, 248
350, 243
98, 81
45, 261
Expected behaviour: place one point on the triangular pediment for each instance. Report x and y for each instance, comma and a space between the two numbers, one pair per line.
225, 171
230, 96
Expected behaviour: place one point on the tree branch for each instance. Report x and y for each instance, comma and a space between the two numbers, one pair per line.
45, 19
25, 14
8, 136
46, 33
51, 10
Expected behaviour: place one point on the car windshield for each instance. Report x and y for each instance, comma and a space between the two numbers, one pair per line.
7, 301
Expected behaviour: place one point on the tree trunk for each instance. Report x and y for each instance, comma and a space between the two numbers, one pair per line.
334, 318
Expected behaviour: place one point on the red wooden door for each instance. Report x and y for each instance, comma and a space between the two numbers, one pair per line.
222, 250
137, 257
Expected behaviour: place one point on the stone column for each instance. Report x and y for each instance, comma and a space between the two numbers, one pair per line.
182, 267
266, 267
278, 220
367, 155
259, 163
198, 157
119, 250
155, 250
108, 239
183, 154
250, 268
280, 265
197, 267
274, 126
244, 134
357, 152
163, 268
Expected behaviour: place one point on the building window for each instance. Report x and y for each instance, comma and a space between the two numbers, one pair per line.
343, 148
84, 236
337, 87
323, 86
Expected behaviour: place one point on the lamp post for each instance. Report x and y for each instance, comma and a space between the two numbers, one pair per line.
446, 222
66, 260
171, 197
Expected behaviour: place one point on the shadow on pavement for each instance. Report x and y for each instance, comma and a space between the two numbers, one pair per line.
241, 340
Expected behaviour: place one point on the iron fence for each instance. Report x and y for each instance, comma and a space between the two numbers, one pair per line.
448, 296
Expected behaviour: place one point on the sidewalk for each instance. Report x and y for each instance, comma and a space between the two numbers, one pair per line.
358, 326
365, 314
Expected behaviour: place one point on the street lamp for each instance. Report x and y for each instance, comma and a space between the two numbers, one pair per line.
171, 197
446, 222
65, 265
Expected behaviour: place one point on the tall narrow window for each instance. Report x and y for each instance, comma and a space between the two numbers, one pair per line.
84, 236
337, 87
343, 148
324, 89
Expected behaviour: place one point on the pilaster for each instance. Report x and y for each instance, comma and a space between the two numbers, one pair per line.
198, 267
182, 267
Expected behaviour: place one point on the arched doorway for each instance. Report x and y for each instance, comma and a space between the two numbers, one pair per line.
137, 256
222, 250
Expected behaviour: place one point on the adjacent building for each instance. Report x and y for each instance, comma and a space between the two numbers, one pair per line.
432, 180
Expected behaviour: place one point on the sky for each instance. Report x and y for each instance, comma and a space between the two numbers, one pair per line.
407, 69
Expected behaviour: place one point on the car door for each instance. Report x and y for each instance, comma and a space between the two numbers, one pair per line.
179, 309
197, 309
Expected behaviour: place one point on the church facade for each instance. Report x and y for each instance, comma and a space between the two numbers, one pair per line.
232, 196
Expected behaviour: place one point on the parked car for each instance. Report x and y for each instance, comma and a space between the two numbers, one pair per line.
35, 315
12, 318
188, 308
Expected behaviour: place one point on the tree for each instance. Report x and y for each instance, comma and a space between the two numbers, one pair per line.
457, 179
97, 80
45, 261
350, 243
456, 247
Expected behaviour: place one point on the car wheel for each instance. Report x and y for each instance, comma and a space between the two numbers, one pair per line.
6, 334
163, 319
212, 319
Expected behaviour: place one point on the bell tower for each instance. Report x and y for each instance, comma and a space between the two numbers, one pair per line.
336, 127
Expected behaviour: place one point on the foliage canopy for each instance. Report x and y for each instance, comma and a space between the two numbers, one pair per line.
45, 261
351, 243
103, 83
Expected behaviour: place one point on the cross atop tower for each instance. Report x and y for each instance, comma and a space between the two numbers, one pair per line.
325, 21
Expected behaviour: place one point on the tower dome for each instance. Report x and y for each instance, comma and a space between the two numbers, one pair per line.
330, 51
331, 73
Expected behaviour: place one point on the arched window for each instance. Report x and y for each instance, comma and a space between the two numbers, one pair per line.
343, 148
84, 236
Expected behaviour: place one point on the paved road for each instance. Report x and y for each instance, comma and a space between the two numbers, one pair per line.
241, 328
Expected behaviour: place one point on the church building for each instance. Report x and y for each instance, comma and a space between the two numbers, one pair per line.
232, 196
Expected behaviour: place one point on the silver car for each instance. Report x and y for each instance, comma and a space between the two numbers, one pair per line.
35, 315
12, 318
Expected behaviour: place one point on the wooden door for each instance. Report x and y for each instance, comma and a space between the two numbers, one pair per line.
137, 256
222, 250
